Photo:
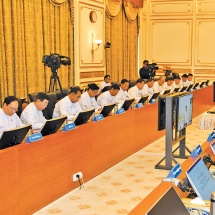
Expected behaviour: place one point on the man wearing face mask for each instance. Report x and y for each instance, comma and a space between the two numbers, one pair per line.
9, 119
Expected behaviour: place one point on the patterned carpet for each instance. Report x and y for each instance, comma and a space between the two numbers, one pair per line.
119, 189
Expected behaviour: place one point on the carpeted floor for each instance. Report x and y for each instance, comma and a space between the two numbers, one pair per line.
119, 189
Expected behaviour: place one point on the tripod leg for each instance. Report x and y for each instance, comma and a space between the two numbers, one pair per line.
50, 84
61, 90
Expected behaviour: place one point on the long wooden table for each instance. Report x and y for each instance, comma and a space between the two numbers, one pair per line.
33, 175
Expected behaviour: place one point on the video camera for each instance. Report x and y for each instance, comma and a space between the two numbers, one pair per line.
152, 69
54, 61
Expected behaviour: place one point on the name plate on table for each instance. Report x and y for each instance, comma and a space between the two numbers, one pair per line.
98, 118
175, 171
139, 105
34, 137
152, 101
69, 126
211, 136
120, 111
196, 152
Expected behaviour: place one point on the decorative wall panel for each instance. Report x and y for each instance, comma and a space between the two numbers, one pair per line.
171, 8
205, 45
91, 74
205, 7
171, 42
91, 29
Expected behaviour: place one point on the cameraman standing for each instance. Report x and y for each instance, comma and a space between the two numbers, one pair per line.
144, 72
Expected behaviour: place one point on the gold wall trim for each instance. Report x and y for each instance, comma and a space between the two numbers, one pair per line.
99, 1
205, 7
91, 74
167, 8
204, 71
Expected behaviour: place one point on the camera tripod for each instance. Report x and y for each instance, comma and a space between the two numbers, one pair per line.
54, 82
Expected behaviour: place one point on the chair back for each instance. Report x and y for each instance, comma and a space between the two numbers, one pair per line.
132, 83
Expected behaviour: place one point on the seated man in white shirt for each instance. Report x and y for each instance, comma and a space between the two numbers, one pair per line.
184, 82
158, 85
189, 78
177, 82
69, 105
33, 114
148, 87
105, 83
87, 100
9, 119
123, 92
109, 97
168, 85
137, 91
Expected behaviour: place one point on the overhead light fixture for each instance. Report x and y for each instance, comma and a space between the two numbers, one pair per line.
98, 43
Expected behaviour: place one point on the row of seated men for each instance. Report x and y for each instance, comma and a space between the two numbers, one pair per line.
71, 105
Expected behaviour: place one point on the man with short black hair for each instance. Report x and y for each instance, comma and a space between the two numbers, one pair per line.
148, 87
184, 82
9, 119
69, 105
144, 71
105, 83
123, 92
176, 83
109, 97
189, 78
33, 114
168, 85
137, 91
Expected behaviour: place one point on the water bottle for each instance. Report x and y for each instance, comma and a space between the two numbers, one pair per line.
212, 206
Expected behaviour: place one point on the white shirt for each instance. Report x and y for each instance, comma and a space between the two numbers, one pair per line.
184, 84
106, 98
167, 87
88, 102
177, 85
158, 88
189, 82
8, 122
31, 115
103, 84
122, 96
148, 89
67, 108
135, 93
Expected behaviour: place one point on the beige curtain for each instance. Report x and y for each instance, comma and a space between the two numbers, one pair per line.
30, 29
121, 58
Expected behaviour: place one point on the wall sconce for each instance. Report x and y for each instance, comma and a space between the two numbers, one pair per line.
107, 45
98, 42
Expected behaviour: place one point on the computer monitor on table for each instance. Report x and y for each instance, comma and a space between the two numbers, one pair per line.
127, 104
52, 125
106, 110
169, 203
14, 136
143, 99
166, 92
176, 90
202, 84
195, 85
154, 96
201, 179
83, 117
189, 87
183, 89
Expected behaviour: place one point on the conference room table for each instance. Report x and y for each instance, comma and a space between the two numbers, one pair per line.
35, 174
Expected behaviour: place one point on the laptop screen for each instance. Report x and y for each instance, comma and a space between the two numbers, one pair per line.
169, 204
201, 179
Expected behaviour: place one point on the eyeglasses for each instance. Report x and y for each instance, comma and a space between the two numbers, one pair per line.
14, 109
45, 103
